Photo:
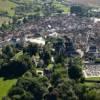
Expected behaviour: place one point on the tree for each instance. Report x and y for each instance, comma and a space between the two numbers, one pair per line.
52, 95
32, 87
46, 56
77, 10
16, 67
55, 78
25, 20
93, 94
27, 96
75, 69
59, 59
32, 49
16, 91
4, 26
14, 19
8, 51
20, 94
59, 74
66, 91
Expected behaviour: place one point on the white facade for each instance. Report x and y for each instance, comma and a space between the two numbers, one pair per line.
54, 34
38, 40
95, 19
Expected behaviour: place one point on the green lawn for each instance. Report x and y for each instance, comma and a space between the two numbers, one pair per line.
9, 7
6, 5
91, 84
62, 7
5, 20
17, 56
93, 78
5, 86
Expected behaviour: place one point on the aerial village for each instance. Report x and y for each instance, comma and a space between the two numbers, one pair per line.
50, 54
82, 33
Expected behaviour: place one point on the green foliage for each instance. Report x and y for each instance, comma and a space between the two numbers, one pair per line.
52, 95
93, 94
32, 49
59, 74
16, 67
75, 69
63, 73
79, 10
8, 51
97, 60
66, 91
45, 55
76, 9
28, 86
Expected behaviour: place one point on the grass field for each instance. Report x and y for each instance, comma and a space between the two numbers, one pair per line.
17, 56
62, 7
6, 5
5, 20
93, 78
91, 84
10, 5
5, 86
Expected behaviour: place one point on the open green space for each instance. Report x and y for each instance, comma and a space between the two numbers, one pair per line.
7, 6
17, 56
93, 78
5, 20
61, 7
5, 86
89, 84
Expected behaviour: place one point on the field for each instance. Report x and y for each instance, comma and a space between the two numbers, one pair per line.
93, 78
62, 7
91, 84
5, 20
5, 86
7, 6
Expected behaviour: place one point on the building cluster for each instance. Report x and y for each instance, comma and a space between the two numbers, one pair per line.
92, 70
83, 33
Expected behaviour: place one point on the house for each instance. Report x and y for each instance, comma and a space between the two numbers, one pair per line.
40, 72
70, 48
14, 40
92, 49
38, 40
54, 34
80, 52
92, 53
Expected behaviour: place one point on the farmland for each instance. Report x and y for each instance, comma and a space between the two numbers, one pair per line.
10, 8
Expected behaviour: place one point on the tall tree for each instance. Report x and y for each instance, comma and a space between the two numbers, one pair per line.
75, 69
